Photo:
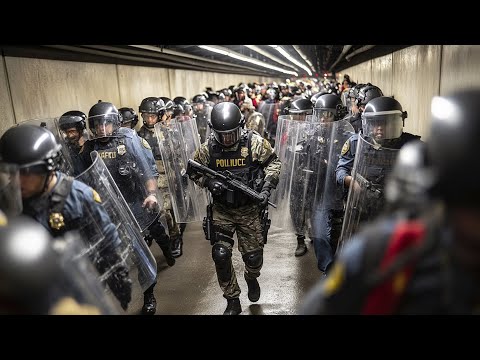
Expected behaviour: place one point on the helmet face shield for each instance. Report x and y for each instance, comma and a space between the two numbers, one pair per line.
228, 138
324, 115
382, 125
104, 125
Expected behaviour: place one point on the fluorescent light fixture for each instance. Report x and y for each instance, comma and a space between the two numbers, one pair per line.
291, 59
270, 56
304, 57
228, 52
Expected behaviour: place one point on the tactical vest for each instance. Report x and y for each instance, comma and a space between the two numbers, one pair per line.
240, 164
152, 141
122, 166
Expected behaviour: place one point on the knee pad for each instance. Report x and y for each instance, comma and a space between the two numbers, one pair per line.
222, 257
253, 259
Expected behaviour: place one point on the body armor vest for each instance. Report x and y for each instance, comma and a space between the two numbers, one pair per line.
240, 164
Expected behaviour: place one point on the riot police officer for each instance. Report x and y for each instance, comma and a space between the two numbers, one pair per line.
376, 146
130, 161
152, 111
428, 263
251, 159
253, 119
359, 97
61, 203
73, 126
202, 111
129, 117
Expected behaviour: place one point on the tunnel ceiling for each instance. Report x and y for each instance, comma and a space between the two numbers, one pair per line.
226, 59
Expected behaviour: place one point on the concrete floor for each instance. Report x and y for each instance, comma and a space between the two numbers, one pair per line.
190, 287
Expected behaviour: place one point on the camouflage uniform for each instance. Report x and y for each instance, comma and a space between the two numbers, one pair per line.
255, 121
173, 228
242, 217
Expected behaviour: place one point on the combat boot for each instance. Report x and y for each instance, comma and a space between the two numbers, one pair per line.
253, 289
233, 307
301, 247
149, 304
167, 252
177, 247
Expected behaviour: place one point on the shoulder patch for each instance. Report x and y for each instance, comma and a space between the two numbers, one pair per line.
96, 197
146, 144
346, 147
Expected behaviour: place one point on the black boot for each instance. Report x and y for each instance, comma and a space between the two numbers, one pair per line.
167, 252
177, 247
149, 303
301, 247
253, 289
233, 307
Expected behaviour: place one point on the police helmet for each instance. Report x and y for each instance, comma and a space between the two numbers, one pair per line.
383, 119
199, 99
315, 96
129, 117
180, 100
367, 93
32, 148
152, 105
453, 144
226, 122
100, 116
328, 107
300, 106
73, 119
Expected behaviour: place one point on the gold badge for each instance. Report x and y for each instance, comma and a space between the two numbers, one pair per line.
3, 219
121, 149
96, 197
146, 144
56, 221
244, 151
345, 147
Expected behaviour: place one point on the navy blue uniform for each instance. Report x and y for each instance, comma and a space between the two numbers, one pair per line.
82, 210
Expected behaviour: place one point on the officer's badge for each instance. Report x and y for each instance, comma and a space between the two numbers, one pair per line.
56, 221
345, 147
145, 144
96, 197
244, 151
121, 149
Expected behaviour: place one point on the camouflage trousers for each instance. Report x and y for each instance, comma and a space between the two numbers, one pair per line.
173, 227
245, 221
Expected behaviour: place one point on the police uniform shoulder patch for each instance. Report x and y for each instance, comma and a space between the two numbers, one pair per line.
244, 151
346, 147
145, 144
96, 197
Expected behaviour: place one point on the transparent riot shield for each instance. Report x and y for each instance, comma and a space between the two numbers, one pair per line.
67, 162
10, 194
270, 112
178, 141
131, 172
82, 281
202, 113
366, 199
281, 133
327, 195
290, 194
129, 242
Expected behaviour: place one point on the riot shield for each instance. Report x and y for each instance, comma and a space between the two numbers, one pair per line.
81, 279
178, 141
270, 112
281, 133
134, 250
327, 195
66, 163
366, 199
202, 113
10, 194
290, 194
131, 172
